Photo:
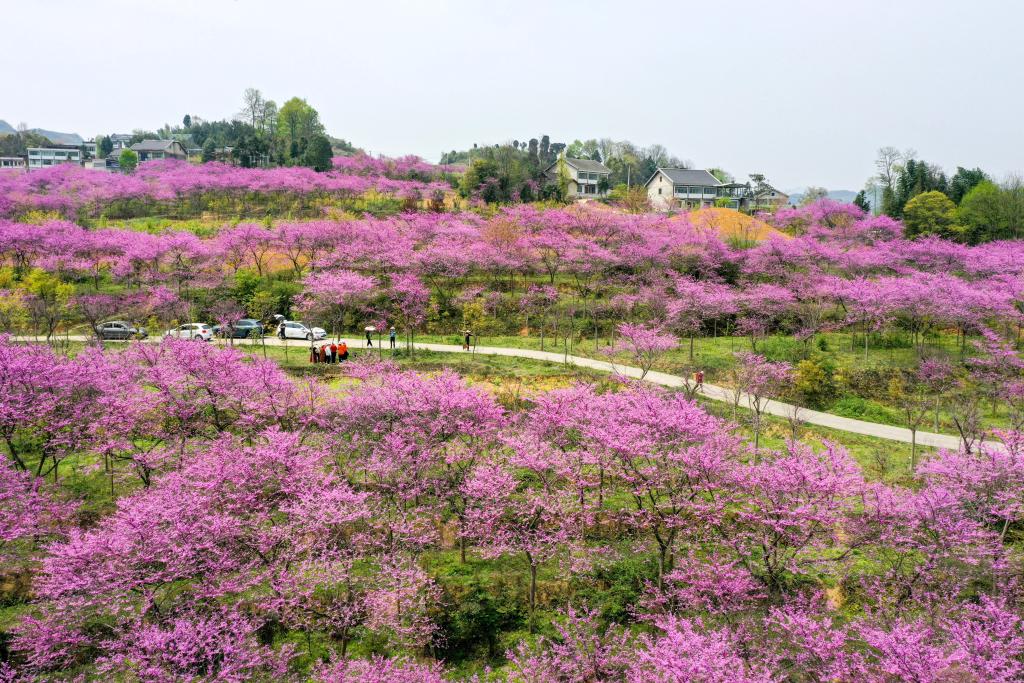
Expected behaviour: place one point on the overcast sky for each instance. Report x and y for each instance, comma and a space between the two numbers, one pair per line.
804, 91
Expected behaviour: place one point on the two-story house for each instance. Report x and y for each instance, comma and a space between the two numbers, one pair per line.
684, 188
120, 141
159, 149
584, 178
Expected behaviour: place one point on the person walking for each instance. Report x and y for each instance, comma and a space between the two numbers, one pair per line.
334, 353
369, 339
465, 344
391, 337
700, 380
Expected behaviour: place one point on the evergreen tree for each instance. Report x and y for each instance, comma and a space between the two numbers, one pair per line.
861, 200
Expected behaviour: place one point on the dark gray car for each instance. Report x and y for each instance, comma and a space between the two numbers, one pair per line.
119, 329
241, 329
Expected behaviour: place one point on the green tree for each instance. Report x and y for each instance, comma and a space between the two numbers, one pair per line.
128, 160
813, 194
993, 212
209, 150
861, 200
297, 124
186, 121
318, 154
104, 146
963, 181
931, 213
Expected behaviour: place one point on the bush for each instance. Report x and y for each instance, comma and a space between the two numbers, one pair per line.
614, 590
474, 613
814, 383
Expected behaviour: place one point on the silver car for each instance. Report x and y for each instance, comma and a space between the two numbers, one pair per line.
293, 329
200, 331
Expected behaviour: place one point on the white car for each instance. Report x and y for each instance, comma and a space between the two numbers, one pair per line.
200, 331
292, 329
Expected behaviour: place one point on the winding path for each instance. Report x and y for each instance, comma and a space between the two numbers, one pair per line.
711, 391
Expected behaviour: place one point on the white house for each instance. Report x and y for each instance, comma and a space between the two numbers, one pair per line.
584, 177
44, 157
685, 188
12, 162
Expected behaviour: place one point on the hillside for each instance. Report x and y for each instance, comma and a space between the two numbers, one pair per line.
731, 224
6, 128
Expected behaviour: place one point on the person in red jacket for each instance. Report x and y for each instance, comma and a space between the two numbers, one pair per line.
334, 353
700, 380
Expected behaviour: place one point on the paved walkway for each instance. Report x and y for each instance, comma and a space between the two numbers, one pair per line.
716, 393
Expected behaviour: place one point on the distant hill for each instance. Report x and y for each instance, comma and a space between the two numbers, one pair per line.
59, 138
845, 196
53, 136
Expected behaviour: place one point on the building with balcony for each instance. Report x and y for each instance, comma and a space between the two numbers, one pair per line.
44, 157
585, 178
688, 188
684, 188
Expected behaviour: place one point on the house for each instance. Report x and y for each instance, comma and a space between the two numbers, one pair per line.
585, 177
685, 188
12, 162
120, 141
44, 157
768, 198
159, 149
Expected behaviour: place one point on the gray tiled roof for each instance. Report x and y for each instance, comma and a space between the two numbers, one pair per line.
153, 145
587, 165
688, 176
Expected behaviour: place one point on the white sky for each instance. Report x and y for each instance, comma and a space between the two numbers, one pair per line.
802, 90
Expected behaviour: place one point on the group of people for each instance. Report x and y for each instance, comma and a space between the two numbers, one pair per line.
328, 353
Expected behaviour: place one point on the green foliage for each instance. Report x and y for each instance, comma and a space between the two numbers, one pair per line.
297, 124
991, 212
318, 154
209, 151
475, 611
104, 146
913, 178
615, 589
963, 181
128, 160
865, 409
779, 348
861, 200
814, 383
932, 213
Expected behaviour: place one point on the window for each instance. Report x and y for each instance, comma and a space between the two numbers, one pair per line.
659, 190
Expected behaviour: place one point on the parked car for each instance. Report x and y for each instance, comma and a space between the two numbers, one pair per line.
200, 331
241, 329
119, 329
292, 329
